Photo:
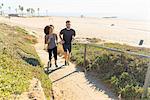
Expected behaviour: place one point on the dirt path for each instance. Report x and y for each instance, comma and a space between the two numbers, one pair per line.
68, 82
71, 84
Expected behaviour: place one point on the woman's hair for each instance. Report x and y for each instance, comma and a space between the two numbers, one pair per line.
51, 26
68, 21
46, 29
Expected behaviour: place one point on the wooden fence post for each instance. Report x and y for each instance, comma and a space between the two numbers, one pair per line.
146, 83
85, 51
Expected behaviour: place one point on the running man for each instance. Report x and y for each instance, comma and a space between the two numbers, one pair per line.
67, 35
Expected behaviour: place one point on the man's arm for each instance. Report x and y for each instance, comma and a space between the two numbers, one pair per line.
60, 35
74, 34
56, 38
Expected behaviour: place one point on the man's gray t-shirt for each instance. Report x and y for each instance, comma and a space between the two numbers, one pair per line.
67, 35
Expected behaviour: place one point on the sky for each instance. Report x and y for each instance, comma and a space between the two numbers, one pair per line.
98, 8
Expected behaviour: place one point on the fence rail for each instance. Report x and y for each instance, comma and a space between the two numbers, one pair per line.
147, 78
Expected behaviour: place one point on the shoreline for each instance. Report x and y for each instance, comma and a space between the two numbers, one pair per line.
85, 17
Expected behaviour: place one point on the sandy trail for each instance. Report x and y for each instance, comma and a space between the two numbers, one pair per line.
71, 84
68, 82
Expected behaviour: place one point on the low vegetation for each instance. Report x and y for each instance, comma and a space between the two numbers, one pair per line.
122, 72
19, 62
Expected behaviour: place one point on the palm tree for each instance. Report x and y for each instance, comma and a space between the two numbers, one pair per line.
32, 11
19, 6
21, 9
1, 7
0, 11
9, 9
38, 9
46, 12
28, 11
16, 10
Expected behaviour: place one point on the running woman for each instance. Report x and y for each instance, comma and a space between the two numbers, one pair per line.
51, 39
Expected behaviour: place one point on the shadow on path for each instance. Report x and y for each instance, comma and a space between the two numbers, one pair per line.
65, 76
48, 70
91, 78
96, 83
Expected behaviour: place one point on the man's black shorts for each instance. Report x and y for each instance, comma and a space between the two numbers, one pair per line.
67, 47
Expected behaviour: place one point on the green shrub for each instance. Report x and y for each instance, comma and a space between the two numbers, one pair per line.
124, 73
13, 79
16, 63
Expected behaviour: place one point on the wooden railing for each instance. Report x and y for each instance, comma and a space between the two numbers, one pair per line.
147, 78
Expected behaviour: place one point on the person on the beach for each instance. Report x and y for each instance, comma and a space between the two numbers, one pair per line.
51, 39
67, 35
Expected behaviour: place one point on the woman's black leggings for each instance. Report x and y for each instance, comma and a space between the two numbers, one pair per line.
54, 51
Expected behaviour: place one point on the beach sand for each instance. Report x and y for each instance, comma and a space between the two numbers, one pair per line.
124, 31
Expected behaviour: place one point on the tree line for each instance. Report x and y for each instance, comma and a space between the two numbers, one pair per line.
20, 10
